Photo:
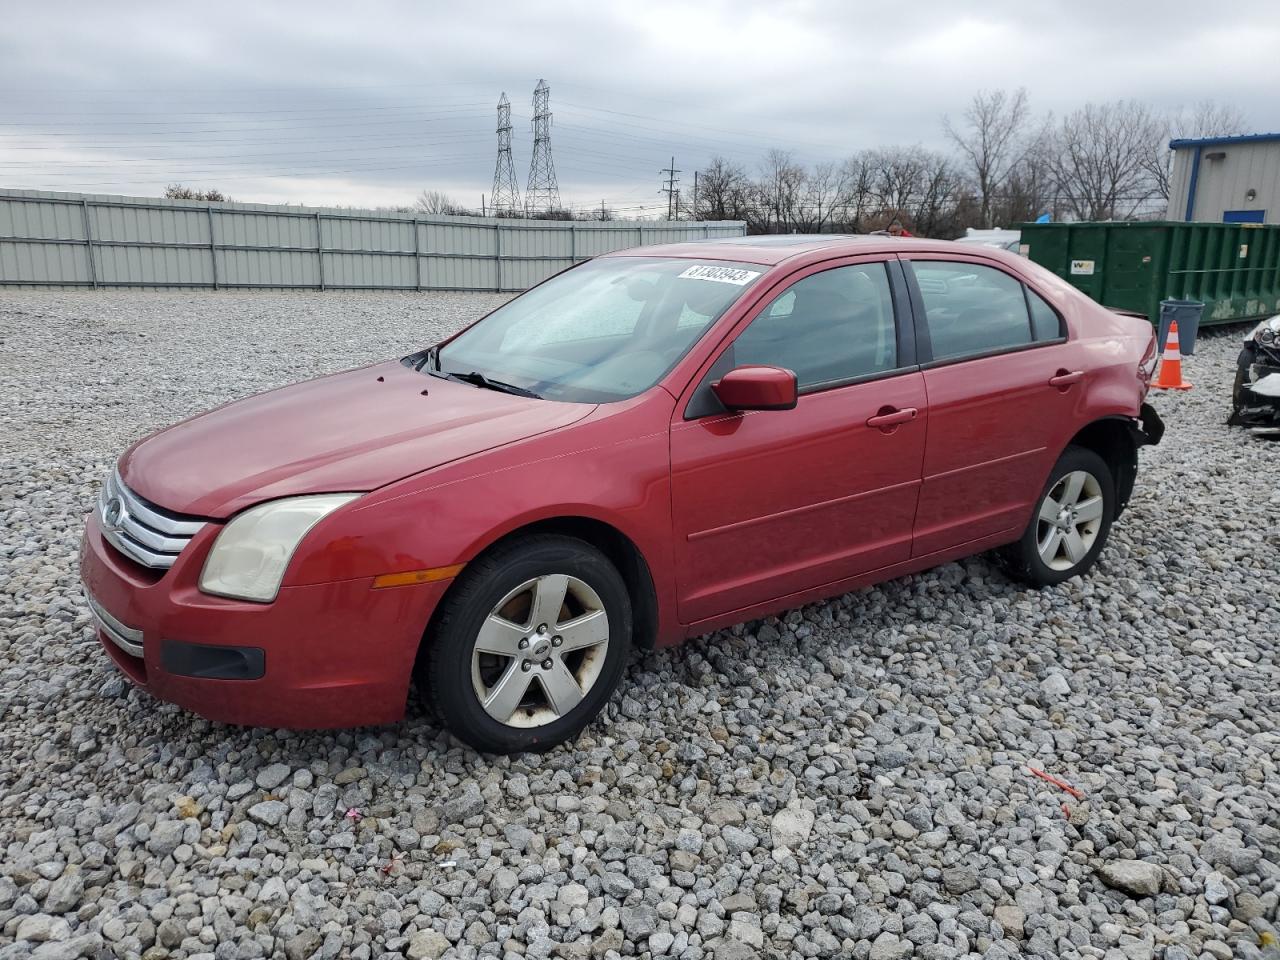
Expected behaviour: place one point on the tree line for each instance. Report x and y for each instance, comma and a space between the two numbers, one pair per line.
1104, 161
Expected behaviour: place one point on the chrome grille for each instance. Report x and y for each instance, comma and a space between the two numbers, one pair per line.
144, 533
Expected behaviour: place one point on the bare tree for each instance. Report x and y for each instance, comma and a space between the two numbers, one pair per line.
857, 179
555, 213
1208, 118
438, 203
992, 140
1101, 159
897, 175
1029, 190
176, 191
822, 190
940, 187
779, 187
724, 191
1204, 119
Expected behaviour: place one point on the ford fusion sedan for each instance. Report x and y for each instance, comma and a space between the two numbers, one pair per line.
646, 447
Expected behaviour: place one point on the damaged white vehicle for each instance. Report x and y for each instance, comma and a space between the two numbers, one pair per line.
1255, 397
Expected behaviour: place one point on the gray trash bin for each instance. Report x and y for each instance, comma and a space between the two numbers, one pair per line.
1187, 313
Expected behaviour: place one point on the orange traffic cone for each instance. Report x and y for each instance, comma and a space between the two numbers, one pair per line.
1171, 363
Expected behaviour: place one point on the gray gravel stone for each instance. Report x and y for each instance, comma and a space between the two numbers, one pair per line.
1055, 687
165, 837
39, 927
790, 828
272, 775
889, 947
1132, 876
269, 812
639, 921
901, 719
427, 945
738, 840
1011, 920
65, 893
466, 803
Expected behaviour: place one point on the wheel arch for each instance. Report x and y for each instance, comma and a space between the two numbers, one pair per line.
1112, 438
621, 550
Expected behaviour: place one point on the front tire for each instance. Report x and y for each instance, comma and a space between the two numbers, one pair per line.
529, 645
1070, 524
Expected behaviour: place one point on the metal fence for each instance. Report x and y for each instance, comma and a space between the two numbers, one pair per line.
71, 240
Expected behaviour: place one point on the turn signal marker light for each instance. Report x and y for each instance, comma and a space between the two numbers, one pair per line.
410, 577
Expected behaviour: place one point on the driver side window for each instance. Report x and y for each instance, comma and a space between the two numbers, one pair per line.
831, 326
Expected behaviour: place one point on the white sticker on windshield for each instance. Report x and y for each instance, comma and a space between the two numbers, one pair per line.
735, 275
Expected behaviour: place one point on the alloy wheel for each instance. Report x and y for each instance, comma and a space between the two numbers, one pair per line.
1070, 518
540, 650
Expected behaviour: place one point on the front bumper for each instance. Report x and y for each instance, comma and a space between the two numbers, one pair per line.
320, 656
1256, 404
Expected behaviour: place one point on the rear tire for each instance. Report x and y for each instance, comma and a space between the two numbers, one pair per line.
1070, 523
529, 645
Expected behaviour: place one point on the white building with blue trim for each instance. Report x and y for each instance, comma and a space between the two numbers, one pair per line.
1226, 179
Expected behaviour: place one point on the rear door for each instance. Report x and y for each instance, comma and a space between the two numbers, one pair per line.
769, 503
1004, 385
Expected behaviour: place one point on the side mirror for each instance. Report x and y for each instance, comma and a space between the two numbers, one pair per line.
757, 388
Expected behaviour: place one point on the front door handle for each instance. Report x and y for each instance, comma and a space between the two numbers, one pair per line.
890, 417
1064, 378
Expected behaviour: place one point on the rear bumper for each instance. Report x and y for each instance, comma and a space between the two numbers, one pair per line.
1149, 428
320, 656
1146, 429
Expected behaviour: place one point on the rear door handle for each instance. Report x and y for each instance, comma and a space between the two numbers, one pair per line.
890, 417
1064, 379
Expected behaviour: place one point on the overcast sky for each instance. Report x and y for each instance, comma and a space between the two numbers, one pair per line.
367, 104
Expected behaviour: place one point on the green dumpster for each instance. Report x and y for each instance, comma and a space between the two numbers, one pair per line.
1234, 269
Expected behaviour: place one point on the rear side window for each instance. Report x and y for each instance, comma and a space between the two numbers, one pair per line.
971, 308
830, 326
1045, 322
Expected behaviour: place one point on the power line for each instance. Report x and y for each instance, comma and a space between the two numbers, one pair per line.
407, 106
542, 192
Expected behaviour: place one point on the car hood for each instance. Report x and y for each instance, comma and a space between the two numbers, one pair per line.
353, 431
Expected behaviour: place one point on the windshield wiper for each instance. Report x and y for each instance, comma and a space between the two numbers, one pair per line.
480, 380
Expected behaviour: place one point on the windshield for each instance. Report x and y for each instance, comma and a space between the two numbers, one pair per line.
603, 331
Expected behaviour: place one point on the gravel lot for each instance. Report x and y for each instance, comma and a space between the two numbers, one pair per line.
851, 780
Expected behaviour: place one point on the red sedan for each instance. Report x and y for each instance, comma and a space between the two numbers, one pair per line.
646, 447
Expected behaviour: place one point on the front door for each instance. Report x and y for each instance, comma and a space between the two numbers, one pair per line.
766, 504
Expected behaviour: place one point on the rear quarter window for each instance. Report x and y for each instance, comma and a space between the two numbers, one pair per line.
1045, 322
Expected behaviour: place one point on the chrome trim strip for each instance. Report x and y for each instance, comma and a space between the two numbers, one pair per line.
145, 534
135, 551
169, 524
127, 639
152, 540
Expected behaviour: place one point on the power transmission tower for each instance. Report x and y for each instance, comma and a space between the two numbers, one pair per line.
671, 190
542, 193
506, 195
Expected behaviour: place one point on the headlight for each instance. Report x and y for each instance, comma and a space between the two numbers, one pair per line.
251, 554
1268, 331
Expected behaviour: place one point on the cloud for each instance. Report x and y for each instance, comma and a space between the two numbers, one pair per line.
333, 103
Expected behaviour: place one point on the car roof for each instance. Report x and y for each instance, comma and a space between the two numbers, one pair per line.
774, 249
